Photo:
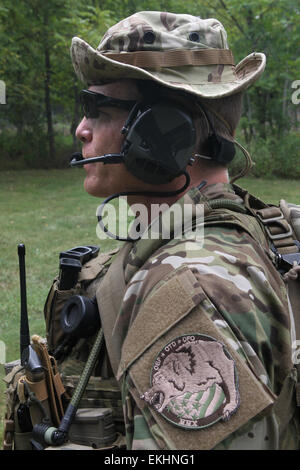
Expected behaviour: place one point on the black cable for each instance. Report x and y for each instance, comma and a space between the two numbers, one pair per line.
137, 193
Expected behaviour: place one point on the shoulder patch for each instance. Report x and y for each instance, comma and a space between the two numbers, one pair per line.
194, 382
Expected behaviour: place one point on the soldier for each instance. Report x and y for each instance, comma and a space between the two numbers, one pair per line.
197, 332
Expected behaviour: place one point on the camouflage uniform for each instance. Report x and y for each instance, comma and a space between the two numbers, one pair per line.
242, 296
181, 296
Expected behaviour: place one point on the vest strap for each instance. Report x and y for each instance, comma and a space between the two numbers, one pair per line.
109, 297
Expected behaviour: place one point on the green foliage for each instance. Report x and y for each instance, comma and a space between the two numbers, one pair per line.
28, 150
42, 90
272, 157
272, 27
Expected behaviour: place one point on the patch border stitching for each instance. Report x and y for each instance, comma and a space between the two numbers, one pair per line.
236, 382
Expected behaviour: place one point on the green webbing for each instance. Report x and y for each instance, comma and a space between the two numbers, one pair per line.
88, 369
227, 204
57, 436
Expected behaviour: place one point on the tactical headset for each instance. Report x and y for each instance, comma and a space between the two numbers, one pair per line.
160, 139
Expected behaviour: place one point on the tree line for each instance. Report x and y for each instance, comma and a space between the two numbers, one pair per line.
42, 110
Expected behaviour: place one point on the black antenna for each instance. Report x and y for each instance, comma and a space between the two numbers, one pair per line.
29, 358
24, 326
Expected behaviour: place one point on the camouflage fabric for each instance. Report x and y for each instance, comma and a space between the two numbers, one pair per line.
176, 50
244, 297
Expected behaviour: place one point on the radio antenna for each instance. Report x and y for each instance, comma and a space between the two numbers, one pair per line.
24, 326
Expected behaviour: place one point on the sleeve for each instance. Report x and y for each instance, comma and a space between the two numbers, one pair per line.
190, 381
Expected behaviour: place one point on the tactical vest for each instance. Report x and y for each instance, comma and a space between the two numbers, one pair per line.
275, 228
104, 276
32, 401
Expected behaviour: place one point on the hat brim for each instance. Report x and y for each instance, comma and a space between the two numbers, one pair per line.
211, 81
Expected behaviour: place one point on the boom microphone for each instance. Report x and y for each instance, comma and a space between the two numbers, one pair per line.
78, 160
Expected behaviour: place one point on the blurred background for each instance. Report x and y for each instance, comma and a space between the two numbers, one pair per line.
38, 121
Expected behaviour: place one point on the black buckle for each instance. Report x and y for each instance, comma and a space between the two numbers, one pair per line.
82, 253
286, 262
71, 262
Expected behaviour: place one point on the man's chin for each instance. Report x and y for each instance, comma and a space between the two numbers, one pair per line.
93, 187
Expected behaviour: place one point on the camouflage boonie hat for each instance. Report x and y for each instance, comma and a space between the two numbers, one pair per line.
176, 50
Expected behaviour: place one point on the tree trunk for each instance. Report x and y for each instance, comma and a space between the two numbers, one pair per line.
261, 105
251, 132
76, 118
284, 98
48, 106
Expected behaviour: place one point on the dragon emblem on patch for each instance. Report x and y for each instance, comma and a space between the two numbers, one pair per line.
194, 382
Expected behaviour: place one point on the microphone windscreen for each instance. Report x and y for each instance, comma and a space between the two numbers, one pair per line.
76, 156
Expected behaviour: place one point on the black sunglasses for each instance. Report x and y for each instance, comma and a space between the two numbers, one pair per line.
92, 101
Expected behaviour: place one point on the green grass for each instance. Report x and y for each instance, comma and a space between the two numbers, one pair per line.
50, 212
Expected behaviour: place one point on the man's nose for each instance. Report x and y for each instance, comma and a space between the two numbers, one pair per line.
84, 131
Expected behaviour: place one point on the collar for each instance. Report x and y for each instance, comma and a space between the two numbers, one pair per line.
152, 238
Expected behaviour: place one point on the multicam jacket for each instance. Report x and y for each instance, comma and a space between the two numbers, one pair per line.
201, 345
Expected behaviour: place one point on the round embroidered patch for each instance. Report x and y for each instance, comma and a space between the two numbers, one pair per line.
194, 382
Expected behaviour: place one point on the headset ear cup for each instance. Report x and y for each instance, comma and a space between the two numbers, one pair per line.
219, 149
160, 143
213, 147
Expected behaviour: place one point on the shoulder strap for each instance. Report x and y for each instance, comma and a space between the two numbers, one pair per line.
109, 298
280, 226
276, 222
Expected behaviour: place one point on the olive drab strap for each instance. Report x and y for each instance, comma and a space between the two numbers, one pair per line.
281, 225
278, 229
109, 297
292, 213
